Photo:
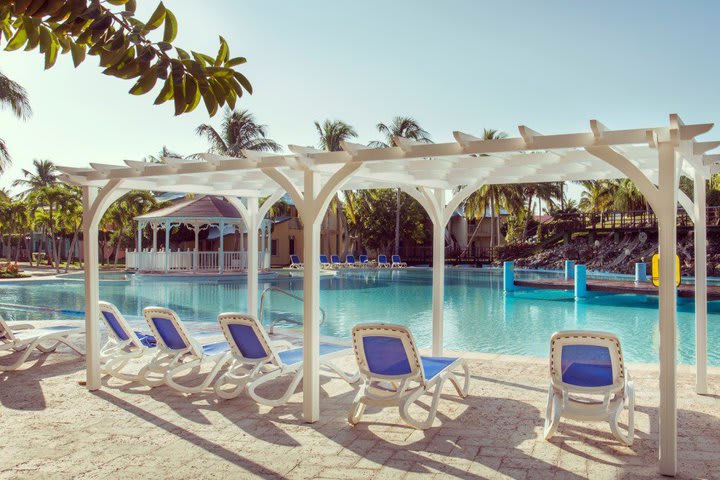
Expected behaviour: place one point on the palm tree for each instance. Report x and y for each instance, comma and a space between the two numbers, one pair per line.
14, 97
404, 127
45, 175
120, 217
596, 198
331, 133
239, 131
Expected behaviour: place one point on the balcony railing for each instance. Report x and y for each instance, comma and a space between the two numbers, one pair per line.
188, 261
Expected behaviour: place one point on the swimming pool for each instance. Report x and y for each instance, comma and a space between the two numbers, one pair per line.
478, 315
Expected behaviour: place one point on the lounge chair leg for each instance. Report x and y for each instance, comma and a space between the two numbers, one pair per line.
14, 366
462, 392
358, 407
170, 380
239, 382
552, 414
405, 406
628, 438
252, 386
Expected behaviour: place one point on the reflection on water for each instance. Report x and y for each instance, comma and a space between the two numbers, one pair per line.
478, 315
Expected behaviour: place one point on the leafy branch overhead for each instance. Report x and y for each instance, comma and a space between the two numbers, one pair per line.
109, 30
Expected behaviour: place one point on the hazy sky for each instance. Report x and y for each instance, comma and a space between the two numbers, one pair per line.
452, 65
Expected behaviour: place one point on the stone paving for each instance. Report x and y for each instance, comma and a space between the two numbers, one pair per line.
54, 428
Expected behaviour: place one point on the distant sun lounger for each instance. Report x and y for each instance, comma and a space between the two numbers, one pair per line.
25, 339
295, 262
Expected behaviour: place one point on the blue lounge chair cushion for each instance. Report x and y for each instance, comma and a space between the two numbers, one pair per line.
586, 366
386, 355
323, 259
247, 341
295, 355
335, 259
215, 348
115, 325
434, 365
169, 334
146, 340
350, 259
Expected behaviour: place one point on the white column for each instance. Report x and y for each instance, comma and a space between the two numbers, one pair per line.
700, 283
167, 245
196, 230
262, 242
155, 228
92, 290
667, 232
438, 274
311, 299
252, 254
139, 238
221, 258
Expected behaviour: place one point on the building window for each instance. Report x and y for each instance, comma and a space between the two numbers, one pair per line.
273, 247
292, 245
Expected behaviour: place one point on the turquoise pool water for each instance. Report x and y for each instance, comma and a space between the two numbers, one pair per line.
478, 315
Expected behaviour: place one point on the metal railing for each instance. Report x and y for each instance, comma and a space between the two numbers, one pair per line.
283, 319
631, 219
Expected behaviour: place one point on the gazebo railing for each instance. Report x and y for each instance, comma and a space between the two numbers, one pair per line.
187, 261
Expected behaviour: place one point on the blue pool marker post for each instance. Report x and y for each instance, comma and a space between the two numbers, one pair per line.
569, 265
508, 277
641, 272
580, 281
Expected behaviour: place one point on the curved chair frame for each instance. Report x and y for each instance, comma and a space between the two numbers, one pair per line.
178, 352
566, 399
26, 339
265, 360
403, 389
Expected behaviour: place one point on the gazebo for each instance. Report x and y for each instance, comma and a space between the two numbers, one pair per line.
440, 177
210, 213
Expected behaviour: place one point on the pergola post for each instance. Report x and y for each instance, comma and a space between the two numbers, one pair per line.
311, 298
700, 233
262, 244
667, 232
438, 277
95, 204
221, 258
252, 255
196, 230
140, 228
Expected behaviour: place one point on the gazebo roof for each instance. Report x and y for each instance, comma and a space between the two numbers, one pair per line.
204, 207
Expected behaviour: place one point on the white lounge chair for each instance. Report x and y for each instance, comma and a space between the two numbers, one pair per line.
382, 261
350, 261
362, 261
178, 352
397, 263
25, 338
257, 360
394, 373
295, 262
124, 344
589, 381
324, 262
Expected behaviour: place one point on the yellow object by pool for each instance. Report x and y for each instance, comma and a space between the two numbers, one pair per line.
656, 270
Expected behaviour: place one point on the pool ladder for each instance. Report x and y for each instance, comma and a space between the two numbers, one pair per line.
283, 319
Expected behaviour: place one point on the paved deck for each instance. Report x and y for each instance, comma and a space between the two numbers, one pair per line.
615, 286
54, 428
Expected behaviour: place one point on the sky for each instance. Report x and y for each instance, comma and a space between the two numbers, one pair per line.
451, 65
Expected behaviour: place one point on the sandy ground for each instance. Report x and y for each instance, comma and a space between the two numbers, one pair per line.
51, 427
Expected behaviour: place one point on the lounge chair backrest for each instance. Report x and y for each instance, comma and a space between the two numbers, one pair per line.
396, 259
116, 323
323, 259
350, 259
363, 259
385, 351
382, 259
170, 331
335, 259
246, 336
586, 360
294, 259
6, 333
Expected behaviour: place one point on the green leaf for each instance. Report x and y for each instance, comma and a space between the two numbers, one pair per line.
51, 54
17, 40
182, 54
211, 104
32, 32
223, 53
171, 27
243, 81
166, 93
146, 82
235, 61
78, 53
130, 6
157, 18
177, 73
192, 93
45, 39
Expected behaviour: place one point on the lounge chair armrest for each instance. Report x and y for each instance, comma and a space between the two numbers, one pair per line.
20, 326
281, 344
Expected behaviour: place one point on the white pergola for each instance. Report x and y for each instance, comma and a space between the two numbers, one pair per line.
440, 177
